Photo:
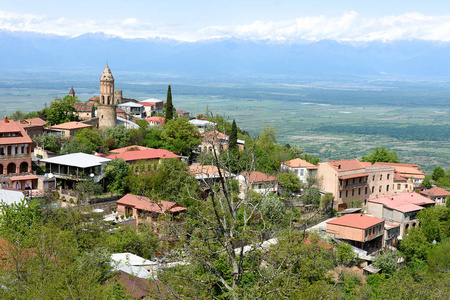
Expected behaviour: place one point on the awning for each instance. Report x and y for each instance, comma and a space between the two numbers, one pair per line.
20, 178
353, 176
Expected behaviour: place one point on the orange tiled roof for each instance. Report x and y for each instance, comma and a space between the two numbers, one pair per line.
144, 203
257, 177
70, 125
435, 192
143, 154
404, 202
405, 170
346, 164
13, 127
83, 106
130, 148
33, 122
359, 221
160, 120
299, 163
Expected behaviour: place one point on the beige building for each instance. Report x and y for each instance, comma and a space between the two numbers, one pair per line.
299, 167
350, 180
407, 171
67, 129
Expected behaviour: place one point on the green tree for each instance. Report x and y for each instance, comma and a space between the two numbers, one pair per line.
181, 136
232, 141
117, 173
272, 208
291, 182
414, 245
86, 188
327, 201
85, 140
119, 134
311, 195
433, 222
169, 106
381, 154
18, 218
438, 172
62, 110
48, 141
387, 262
427, 182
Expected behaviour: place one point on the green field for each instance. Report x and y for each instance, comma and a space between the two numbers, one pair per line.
327, 119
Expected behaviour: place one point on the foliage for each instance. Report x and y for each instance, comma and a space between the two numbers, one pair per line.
48, 141
232, 141
19, 217
414, 244
381, 154
434, 222
344, 254
87, 188
326, 201
439, 258
438, 172
85, 140
62, 110
180, 136
120, 136
116, 174
427, 182
387, 262
169, 106
311, 195
290, 181
272, 208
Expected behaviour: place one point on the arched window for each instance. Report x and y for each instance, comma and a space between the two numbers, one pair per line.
11, 168
1, 169
24, 167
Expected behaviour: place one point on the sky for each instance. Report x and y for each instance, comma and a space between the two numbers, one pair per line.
292, 21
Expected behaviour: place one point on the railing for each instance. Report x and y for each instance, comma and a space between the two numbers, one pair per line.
353, 185
22, 155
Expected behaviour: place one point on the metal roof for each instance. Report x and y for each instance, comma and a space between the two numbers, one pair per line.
80, 160
10, 197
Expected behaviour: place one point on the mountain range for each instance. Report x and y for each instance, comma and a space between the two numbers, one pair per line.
225, 56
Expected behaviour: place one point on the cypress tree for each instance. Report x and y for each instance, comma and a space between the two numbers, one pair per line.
232, 142
169, 105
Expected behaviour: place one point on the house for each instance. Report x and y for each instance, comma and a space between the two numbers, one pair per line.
84, 110
258, 182
299, 167
437, 194
71, 168
208, 175
152, 106
156, 121
408, 171
203, 125
349, 180
391, 234
133, 110
15, 157
34, 127
399, 209
361, 231
67, 129
134, 265
182, 114
143, 160
142, 209
216, 141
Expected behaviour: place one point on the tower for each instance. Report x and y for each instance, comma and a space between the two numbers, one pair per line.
72, 92
107, 87
106, 111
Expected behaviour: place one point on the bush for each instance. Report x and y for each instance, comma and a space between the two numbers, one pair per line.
387, 262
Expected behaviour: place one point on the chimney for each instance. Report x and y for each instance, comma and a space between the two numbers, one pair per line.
5, 119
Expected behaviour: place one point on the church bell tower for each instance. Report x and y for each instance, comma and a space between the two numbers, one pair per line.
107, 87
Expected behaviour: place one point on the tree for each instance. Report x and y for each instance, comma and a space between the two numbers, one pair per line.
438, 172
311, 195
381, 154
48, 141
272, 208
169, 106
327, 201
387, 262
116, 173
232, 141
62, 110
290, 181
180, 136
86, 188
85, 140
427, 182
120, 134
414, 244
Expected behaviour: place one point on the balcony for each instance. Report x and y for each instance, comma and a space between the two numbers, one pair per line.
353, 185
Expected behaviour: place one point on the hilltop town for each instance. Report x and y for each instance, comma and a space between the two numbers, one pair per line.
121, 198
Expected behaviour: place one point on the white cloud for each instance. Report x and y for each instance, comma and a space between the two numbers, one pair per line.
348, 27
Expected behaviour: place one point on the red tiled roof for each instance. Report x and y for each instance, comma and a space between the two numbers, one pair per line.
359, 221
9, 126
182, 112
353, 176
160, 120
130, 148
70, 125
435, 192
143, 154
299, 163
83, 106
366, 163
33, 122
27, 177
94, 98
345, 164
137, 287
206, 170
405, 170
257, 177
144, 203
404, 202
119, 110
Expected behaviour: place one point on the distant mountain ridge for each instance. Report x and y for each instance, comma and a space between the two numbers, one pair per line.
225, 56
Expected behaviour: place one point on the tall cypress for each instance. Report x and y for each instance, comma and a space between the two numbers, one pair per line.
169, 105
232, 142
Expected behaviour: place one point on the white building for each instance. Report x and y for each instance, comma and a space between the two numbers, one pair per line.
300, 167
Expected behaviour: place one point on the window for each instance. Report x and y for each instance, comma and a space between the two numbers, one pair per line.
379, 189
340, 194
360, 179
381, 177
359, 191
387, 188
346, 193
366, 232
366, 190
353, 192
398, 186
373, 189
388, 176
373, 177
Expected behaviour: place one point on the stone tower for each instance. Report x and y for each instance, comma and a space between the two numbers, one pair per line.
107, 87
72, 92
106, 111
